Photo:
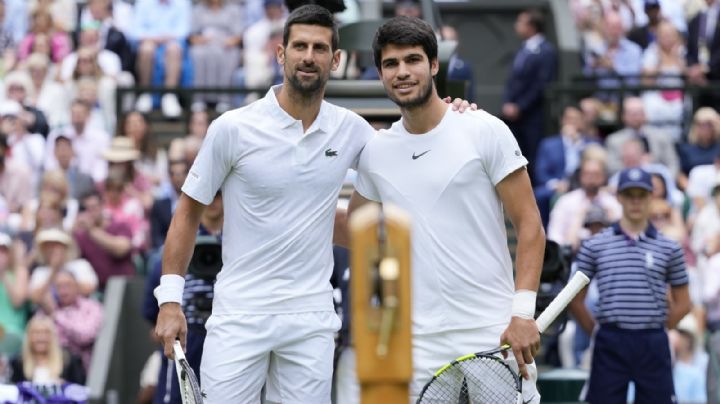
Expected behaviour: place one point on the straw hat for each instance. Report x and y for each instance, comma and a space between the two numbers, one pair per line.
53, 235
122, 149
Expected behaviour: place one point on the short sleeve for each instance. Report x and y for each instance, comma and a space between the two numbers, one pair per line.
585, 260
212, 164
676, 274
38, 278
502, 155
83, 272
362, 132
363, 183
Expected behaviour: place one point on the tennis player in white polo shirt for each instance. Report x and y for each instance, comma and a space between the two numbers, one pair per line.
454, 174
280, 163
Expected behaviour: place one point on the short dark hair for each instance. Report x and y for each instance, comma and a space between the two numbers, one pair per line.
405, 31
536, 19
311, 14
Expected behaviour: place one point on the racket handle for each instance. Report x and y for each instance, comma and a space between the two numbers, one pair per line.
578, 281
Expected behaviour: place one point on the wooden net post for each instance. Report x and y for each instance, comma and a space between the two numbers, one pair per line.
380, 293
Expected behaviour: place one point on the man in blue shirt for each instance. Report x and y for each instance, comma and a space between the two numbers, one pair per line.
632, 264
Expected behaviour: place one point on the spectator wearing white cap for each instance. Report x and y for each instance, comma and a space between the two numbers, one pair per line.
13, 294
58, 252
25, 147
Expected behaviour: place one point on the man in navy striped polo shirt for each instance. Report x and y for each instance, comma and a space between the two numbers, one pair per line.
633, 265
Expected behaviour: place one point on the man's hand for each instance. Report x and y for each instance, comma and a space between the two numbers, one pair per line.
171, 325
510, 111
460, 105
696, 75
524, 339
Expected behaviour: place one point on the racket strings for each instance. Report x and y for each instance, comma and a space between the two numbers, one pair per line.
473, 381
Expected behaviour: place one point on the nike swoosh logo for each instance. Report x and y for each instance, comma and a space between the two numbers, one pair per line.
417, 156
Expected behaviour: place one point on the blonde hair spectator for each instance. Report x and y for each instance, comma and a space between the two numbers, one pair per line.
42, 357
704, 116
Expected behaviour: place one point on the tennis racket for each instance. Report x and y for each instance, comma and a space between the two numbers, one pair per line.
189, 387
484, 377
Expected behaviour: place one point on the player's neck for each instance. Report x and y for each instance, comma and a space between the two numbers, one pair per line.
633, 228
424, 118
300, 106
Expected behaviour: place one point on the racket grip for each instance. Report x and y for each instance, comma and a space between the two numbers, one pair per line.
578, 281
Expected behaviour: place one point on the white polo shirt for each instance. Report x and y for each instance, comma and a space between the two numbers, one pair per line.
280, 187
462, 272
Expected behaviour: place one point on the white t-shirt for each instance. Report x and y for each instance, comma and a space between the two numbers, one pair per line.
80, 268
445, 179
280, 187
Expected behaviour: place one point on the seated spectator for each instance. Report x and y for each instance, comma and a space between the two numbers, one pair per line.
53, 186
42, 25
705, 236
161, 27
667, 220
47, 95
13, 294
78, 318
664, 65
703, 142
25, 147
164, 207
78, 183
15, 180
216, 35
557, 159
198, 125
123, 206
16, 21
121, 157
152, 161
616, 56
590, 108
63, 12
660, 145
57, 252
7, 42
19, 88
106, 244
703, 50
88, 142
701, 181
115, 19
43, 361
568, 215
689, 374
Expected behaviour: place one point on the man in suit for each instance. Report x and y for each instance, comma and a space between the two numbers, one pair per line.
557, 160
658, 143
703, 48
645, 35
164, 206
534, 66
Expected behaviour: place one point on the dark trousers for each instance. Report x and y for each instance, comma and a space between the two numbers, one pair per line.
621, 356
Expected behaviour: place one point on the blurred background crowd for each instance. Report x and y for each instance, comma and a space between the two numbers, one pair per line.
87, 188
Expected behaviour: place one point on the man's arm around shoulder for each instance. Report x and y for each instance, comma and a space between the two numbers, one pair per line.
177, 253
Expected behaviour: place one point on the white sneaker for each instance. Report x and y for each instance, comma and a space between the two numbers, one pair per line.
170, 106
144, 103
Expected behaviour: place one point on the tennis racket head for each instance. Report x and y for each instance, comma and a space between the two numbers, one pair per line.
190, 392
473, 379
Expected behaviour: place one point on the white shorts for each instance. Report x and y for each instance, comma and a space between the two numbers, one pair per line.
430, 352
294, 350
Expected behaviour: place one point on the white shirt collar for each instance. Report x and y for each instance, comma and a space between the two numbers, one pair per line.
533, 43
285, 120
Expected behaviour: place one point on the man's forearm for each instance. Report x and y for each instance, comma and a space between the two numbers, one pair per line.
179, 243
529, 256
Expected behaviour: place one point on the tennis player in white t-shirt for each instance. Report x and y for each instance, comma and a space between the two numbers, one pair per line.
454, 174
280, 163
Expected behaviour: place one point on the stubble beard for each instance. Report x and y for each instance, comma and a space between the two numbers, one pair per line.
307, 88
421, 99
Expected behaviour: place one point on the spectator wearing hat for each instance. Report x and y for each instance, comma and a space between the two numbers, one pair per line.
77, 317
58, 252
703, 141
633, 265
15, 179
25, 147
161, 28
13, 294
105, 243
122, 157
644, 35
88, 143
78, 183
19, 88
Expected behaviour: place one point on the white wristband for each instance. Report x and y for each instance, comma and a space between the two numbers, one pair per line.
523, 304
170, 289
